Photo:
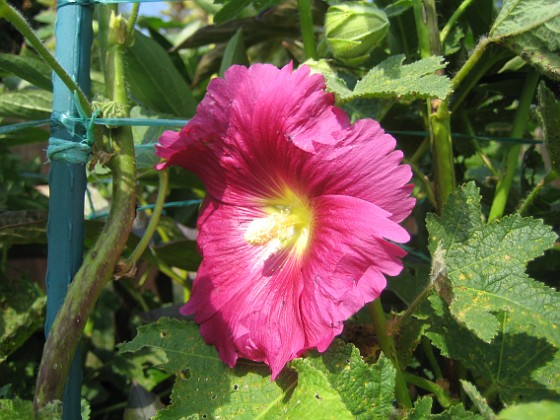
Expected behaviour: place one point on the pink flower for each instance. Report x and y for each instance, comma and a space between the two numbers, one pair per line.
298, 226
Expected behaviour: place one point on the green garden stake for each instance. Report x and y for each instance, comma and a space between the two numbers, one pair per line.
67, 178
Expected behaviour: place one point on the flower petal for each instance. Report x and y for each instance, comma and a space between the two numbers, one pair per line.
348, 256
245, 297
363, 164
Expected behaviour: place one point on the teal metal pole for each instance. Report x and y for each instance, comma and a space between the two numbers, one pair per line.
65, 230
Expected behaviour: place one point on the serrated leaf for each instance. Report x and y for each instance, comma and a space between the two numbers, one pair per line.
485, 265
27, 104
457, 412
154, 81
478, 400
204, 385
390, 79
422, 409
336, 384
519, 367
17, 409
32, 69
544, 410
409, 81
366, 390
531, 28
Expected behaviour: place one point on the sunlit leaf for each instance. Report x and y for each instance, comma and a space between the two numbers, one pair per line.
531, 28
28, 104
32, 69
485, 264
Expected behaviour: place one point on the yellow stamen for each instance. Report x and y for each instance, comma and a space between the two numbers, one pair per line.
288, 224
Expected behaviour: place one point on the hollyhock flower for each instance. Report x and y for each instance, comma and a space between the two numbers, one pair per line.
299, 224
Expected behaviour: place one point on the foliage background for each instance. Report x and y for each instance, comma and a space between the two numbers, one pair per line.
474, 316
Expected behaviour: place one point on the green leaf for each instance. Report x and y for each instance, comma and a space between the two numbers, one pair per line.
336, 384
204, 385
367, 391
181, 254
549, 108
231, 10
32, 69
543, 410
234, 53
518, 366
422, 409
27, 104
17, 409
478, 400
409, 81
485, 266
457, 412
154, 81
23, 313
391, 79
531, 28
145, 138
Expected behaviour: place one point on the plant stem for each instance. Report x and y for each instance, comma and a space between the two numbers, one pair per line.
387, 345
429, 352
306, 26
443, 398
8, 12
425, 15
132, 21
519, 125
152, 225
99, 264
465, 70
454, 17
413, 306
524, 206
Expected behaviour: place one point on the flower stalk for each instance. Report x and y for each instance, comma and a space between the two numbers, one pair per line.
519, 125
387, 345
99, 264
306, 26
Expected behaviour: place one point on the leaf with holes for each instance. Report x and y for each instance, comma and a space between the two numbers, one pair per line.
336, 384
485, 265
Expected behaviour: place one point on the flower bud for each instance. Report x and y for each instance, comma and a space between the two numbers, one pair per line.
353, 30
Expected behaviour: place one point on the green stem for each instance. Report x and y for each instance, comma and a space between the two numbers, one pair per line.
425, 183
152, 225
413, 306
15, 18
485, 159
442, 396
519, 125
442, 153
132, 20
98, 266
306, 26
387, 345
454, 17
429, 352
475, 56
524, 206
425, 15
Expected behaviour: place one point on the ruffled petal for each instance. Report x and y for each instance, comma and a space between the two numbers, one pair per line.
349, 255
246, 298
249, 128
363, 164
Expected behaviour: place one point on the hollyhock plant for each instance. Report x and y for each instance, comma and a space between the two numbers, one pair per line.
299, 224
